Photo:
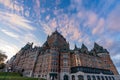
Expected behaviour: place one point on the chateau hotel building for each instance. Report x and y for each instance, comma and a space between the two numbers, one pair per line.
55, 61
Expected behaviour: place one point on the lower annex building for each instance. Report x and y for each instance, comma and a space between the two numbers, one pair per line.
55, 61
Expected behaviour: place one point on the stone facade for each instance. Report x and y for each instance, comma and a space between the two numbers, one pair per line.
54, 60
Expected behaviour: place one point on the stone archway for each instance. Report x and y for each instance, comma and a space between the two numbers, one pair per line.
80, 77
65, 77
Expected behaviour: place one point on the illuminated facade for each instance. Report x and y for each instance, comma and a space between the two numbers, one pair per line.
55, 61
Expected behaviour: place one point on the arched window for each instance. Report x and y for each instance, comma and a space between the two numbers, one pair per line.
65, 77
73, 77
98, 77
113, 78
110, 78
102, 78
88, 77
80, 77
93, 77
106, 77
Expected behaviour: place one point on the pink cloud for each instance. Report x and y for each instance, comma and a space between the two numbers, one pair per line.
69, 27
47, 17
113, 20
37, 8
47, 29
99, 29
21, 22
12, 5
91, 19
9, 33
53, 23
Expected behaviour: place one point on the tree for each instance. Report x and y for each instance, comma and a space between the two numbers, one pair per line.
2, 65
2, 57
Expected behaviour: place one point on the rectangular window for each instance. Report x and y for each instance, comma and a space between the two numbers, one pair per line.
65, 56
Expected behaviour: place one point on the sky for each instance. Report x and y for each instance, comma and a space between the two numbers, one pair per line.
79, 21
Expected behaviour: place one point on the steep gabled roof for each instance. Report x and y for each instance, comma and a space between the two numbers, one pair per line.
99, 49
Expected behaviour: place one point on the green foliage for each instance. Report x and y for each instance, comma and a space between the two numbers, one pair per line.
9, 74
2, 57
17, 78
14, 76
2, 65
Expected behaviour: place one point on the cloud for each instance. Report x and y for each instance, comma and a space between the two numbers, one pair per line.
8, 48
20, 25
12, 5
69, 26
92, 18
99, 27
48, 30
76, 4
113, 47
20, 29
29, 37
47, 17
11, 34
37, 9
113, 20
52, 23
116, 60
15, 21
